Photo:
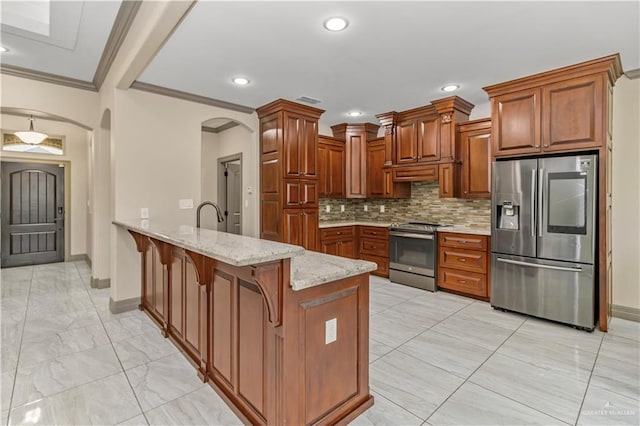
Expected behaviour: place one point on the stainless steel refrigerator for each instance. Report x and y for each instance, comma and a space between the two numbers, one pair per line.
543, 238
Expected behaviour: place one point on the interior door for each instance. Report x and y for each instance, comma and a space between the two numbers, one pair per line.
234, 195
32, 214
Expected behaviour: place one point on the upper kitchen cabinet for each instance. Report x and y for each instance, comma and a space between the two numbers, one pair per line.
331, 167
475, 158
288, 172
418, 137
562, 110
355, 137
380, 182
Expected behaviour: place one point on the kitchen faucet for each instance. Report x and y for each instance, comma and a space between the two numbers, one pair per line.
208, 203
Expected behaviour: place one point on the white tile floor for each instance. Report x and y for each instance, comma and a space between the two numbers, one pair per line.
436, 359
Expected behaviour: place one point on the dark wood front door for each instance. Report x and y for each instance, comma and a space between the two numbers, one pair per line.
32, 214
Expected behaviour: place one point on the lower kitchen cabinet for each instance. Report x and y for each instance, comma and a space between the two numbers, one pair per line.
463, 264
339, 241
301, 227
374, 247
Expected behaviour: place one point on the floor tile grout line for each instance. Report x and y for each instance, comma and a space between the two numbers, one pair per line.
586, 389
24, 324
473, 372
124, 372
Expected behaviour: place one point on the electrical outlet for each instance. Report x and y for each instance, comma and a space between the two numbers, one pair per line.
342, 208
186, 204
144, 223
330, 331
144, 213
327, 208
366, 208
381, 209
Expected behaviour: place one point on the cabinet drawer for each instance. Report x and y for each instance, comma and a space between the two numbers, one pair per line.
339, 232
374, 232
463, 281
374, 247
415, 174
382, 262
467, 241
468, 260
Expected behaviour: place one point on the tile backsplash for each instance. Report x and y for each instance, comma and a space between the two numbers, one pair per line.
424, 205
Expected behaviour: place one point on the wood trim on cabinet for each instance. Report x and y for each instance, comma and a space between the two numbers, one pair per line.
415, 173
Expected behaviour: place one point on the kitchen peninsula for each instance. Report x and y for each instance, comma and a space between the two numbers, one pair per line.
282, 334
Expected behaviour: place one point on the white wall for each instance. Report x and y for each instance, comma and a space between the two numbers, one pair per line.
626, 193
157, 144
209, 176
75, 151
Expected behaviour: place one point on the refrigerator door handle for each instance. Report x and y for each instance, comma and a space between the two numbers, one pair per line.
536, 265
533, 202
540, 198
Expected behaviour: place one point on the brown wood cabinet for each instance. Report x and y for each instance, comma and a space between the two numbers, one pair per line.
564, 110
260, 344
356, 137
475, 158
418, 138
380, 182
374, 247
339, 241
331, 167
289, 173
463, 264
557, 111
416, 173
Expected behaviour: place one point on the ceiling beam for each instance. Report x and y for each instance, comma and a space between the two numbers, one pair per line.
124, 18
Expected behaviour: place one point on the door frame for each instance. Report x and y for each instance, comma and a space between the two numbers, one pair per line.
222, 187
67, 195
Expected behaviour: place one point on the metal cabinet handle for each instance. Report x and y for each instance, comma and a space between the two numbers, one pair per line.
339, 233
462, 259
462, 281
462, 241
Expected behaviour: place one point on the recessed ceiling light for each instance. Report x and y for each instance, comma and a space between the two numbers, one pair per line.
450, 88
241, 81
336, 24
354, 114
3, 49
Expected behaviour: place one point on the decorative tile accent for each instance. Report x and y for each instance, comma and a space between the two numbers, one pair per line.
424, 204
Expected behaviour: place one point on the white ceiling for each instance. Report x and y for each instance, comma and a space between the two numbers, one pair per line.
393, 55
68, 42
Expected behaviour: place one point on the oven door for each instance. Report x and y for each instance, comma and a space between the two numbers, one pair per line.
413, 253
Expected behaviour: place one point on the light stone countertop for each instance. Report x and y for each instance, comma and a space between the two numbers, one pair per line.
353, 222
308, 268
459, 229
237, 250
315, 268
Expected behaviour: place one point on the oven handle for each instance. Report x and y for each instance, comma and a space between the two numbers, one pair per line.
409, 235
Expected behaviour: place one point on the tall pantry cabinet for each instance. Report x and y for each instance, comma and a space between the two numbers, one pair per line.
288, 173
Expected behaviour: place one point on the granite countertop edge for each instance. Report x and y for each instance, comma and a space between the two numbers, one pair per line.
270, 251
461, 229
305, 269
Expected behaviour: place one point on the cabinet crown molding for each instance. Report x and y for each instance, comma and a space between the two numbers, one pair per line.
609, 64
340, 130
452, 103
289, 106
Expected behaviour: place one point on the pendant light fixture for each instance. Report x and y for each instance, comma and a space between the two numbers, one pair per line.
31, 137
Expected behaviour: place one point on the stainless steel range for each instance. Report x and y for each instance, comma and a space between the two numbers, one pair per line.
413, 254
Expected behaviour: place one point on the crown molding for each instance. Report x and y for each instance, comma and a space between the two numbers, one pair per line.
633, 74
124, 19
46, 77
219, 129
22, 112
159, 90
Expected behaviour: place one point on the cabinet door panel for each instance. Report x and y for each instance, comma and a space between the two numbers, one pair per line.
336, 172
292, 227
177, 292
375, 162
355, 173
476, 164
516, 123
309, 148
293, 144
310, 219
324, 171
446, 180
572, 111
271, 134
192, 307
429, 139
406, 144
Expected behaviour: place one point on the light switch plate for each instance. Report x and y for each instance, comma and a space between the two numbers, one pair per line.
186, 204
144, 213
342, 208
327, 208
366, 208
330, 331
381, 209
